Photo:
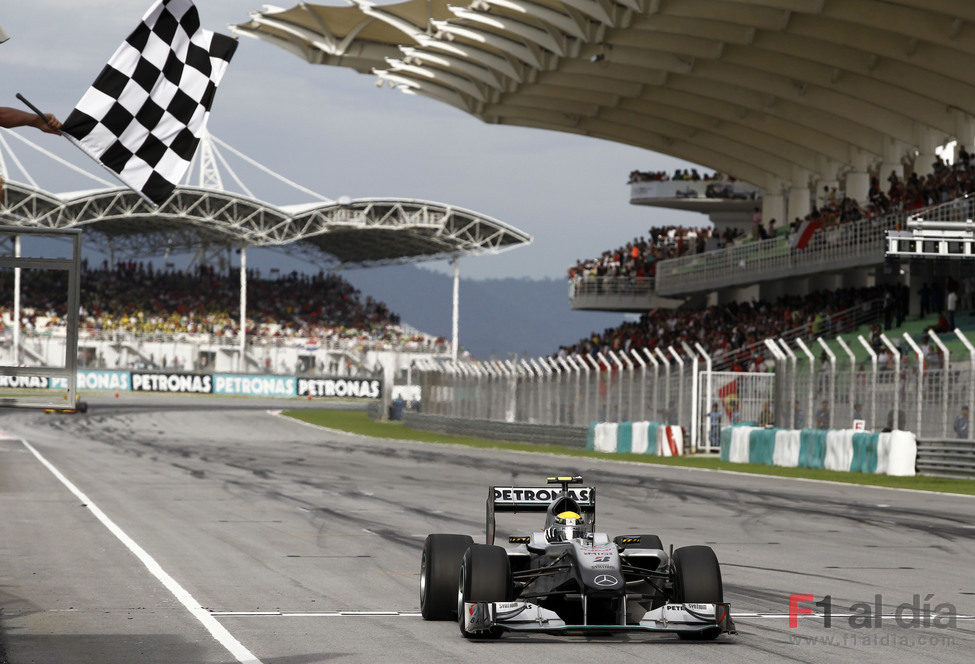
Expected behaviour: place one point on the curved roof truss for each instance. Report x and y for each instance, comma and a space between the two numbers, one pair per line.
771, 91
361, 231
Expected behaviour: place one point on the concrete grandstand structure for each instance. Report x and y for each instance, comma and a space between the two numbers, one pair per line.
791, 96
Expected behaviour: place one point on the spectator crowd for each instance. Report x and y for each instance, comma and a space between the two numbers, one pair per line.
138, 299
638, 258
901, 194
679, 174
726, 329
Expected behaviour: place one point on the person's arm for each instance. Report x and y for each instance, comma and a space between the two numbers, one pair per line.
11, 117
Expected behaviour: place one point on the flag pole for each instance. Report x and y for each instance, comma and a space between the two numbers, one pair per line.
74, 142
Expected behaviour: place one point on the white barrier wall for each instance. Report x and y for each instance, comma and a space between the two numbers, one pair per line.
636, 437
786, 448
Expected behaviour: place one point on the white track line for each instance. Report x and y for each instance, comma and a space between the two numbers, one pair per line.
403, 614
218, 631
315, 614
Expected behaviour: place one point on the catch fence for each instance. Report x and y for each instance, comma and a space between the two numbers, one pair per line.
926, 386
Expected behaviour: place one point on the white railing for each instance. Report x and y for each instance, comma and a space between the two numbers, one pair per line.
694, 189
589, 286
856, 243
832, 324
959, 209
231, 340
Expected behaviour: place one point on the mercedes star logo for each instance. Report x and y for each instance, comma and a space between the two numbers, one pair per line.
605, 580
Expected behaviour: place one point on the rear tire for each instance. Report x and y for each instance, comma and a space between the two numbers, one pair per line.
485, 576
697, 580
439, 566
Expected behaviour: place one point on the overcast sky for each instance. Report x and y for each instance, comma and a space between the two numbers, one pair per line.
333, 131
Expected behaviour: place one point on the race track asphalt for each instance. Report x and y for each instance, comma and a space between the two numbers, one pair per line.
275, 527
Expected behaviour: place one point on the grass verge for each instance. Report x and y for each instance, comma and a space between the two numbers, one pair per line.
360, 423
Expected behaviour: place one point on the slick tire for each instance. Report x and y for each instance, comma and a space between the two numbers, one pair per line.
439, 566
697, 580
485, 576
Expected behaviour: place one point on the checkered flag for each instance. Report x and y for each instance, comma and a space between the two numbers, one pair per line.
144, 115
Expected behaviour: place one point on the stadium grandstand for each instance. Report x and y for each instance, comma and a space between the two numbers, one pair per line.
132, 310
132, 301
825, 124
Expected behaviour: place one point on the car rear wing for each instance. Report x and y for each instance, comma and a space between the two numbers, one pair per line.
536, 499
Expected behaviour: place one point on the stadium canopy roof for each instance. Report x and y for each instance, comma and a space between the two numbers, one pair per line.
770, 91
361, 231
365, 231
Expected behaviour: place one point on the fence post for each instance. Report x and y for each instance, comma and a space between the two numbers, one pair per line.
873, 382
539, 374
920, 378
656, 384
467, 374
559, 401
793, 374
853, 374
619, 385
812, 379
582, 367
695, 395
596, 370
945, 363
832, 378
643, 385
708, 387
497, 383
529, 392
895, 422
629, 386
971, 378
505, 391
779, 362
571, 391
680, 388
551, 392
480, 394
607, 369
451, 406
660, 354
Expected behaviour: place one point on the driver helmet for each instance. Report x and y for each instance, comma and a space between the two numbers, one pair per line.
566, 526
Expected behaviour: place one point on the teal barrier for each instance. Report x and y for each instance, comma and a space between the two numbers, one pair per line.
591, 437
726, 444
812, 448
761, 446
652, 431
624, 437
864, 452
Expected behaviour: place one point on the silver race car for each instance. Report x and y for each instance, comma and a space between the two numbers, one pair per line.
568, 578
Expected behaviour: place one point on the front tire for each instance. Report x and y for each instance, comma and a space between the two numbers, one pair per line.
485, 576
697, 580
439, 565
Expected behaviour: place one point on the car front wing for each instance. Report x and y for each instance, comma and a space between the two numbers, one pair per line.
528, 617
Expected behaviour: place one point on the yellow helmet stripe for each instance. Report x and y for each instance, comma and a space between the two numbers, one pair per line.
569, 515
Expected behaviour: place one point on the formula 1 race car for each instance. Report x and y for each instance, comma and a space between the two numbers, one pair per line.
568, 578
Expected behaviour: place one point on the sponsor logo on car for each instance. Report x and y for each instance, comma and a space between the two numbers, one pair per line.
539, 496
